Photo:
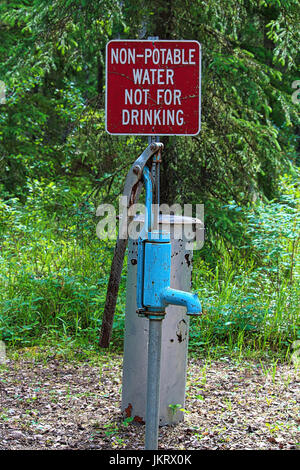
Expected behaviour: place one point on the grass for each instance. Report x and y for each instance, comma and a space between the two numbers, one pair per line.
53, 277
242, 312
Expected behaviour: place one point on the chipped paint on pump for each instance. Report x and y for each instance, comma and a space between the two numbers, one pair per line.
182, 331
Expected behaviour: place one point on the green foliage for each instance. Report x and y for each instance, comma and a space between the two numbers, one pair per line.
52, 53
249, 123
57, 164
53, 270
252, 296
274, 230
53, 66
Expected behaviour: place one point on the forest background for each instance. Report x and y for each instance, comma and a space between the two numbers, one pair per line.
57, 164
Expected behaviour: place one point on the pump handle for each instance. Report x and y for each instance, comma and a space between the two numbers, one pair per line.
132, 189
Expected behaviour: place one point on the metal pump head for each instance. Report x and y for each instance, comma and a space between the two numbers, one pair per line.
154, 269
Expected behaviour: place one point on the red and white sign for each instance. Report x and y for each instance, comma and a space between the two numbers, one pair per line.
153, 87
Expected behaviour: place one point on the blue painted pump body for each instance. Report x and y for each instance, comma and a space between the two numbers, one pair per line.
154, 268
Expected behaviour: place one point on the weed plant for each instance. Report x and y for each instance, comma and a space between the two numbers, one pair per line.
54, 272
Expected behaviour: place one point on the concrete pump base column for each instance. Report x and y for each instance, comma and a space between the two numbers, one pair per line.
175, 328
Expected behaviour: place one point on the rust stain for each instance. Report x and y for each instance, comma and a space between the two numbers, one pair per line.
128, 410
136, 419
139, 420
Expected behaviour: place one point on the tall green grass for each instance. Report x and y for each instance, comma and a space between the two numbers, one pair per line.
54, 271
242, 310
251, 293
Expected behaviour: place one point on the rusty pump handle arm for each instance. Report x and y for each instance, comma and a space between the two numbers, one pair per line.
131, 193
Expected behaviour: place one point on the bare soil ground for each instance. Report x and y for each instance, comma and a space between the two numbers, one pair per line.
53, 403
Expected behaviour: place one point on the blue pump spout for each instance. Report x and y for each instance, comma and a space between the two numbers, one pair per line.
179, 297
154, 267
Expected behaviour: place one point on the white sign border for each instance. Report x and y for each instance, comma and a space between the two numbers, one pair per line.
152, 41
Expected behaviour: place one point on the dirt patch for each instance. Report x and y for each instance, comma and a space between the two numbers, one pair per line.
55, 404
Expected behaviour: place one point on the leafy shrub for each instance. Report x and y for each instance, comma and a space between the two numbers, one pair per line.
254, 288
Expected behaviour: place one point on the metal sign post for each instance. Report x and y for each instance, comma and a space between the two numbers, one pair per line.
155, 333
153, 88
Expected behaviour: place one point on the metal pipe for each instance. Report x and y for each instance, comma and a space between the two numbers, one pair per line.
191, 301
155, 323
153, 383
149, 199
